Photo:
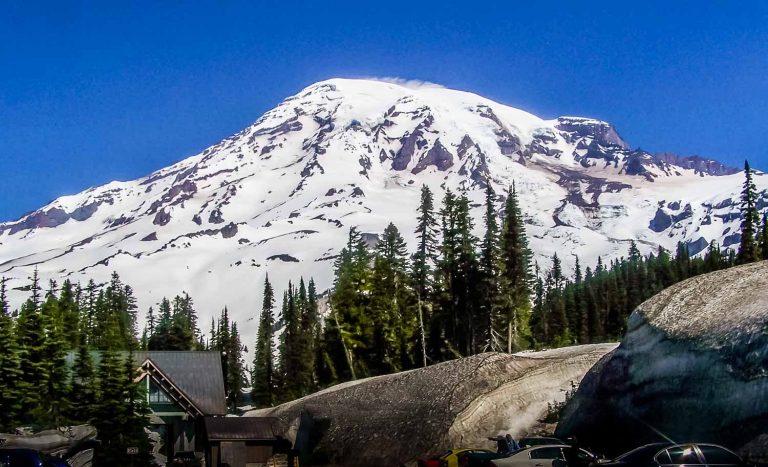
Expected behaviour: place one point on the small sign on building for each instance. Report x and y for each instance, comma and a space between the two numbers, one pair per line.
132, 451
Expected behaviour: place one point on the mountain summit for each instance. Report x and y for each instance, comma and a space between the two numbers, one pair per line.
280, 196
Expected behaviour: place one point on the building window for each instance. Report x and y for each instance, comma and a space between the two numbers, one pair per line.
157, 395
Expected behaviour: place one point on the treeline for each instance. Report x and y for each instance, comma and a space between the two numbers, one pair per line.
593, 305
66, 357
391, 311
458, 295
51, 377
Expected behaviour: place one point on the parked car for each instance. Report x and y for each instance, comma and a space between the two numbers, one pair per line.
548, 455
670, 455
454, 458
19, 457
186, 459
538, 441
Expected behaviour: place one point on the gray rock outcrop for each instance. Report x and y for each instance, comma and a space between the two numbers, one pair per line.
392, 420
693, 366
75, 443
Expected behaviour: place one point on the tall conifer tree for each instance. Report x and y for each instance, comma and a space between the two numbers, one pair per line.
750, 220
83, 388
30, 335
10, 372
512, 321
263, 362
764, 238
55, 371
490, 261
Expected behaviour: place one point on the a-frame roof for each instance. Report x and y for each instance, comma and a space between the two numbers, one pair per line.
197, 376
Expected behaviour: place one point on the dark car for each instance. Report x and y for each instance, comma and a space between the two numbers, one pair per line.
28, 458
186, 459
671, 455
538, 441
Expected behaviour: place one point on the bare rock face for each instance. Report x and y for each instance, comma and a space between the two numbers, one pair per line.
697, 163
438, 156
394, 419
661, 222
602, 132
692, 366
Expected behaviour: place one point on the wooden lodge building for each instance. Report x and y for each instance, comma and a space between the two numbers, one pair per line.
182, 389
186, 396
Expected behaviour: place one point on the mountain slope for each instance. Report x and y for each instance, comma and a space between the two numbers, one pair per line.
280, 196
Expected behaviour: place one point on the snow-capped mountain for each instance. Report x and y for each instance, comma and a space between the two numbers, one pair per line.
280, 196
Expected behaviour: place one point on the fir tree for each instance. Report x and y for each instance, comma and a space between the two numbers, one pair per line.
512, 321
578, 316
121, 412
10, 372
30, 340
110, 414
464, 291
443, 322
490, 300
83, 388
55, 373
227, 342
764, 238
391, 307
305, 341
424, 261
263, 362
159, 339
682, 262
133, 433
88, 313
235, 368
288, 345
748, 249
315, 328
426, 252
349, 302
183, 332
70, 315
557, 331
35, 300
714, 257
295, 344
538, 321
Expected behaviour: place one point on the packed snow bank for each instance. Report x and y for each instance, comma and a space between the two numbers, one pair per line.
693, 366
393, 419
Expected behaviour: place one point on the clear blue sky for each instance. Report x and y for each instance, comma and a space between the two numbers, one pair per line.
96, 91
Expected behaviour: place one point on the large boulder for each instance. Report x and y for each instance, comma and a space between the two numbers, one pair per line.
693, 366
391, 420
74, 443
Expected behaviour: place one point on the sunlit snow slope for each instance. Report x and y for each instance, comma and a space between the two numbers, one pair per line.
280, 196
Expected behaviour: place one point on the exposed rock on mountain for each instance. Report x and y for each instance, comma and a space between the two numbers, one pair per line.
355, 153
699, 164
692, 366
577, 128
393, 419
